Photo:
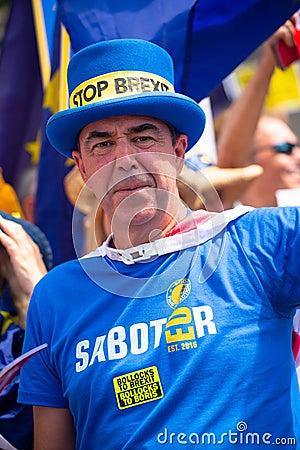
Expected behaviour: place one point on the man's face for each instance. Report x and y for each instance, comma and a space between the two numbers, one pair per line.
281, 171
131, 165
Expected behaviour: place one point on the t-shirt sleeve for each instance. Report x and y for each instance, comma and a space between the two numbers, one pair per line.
39, 383
272, 238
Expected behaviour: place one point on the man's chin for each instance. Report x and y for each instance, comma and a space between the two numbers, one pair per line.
137, 217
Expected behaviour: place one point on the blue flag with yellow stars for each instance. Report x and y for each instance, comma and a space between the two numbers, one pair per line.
21, 92
53, 209
207, 39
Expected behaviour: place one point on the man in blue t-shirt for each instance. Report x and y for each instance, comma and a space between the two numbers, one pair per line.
177, 329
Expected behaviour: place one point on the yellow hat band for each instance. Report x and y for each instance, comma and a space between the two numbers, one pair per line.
117, 84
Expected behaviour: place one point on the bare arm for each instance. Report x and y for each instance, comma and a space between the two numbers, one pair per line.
235, 140
53, 429
22, 265
24, 253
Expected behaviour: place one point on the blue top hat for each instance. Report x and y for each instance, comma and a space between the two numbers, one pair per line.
122, 77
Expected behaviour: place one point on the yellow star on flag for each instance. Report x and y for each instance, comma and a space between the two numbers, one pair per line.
34, 148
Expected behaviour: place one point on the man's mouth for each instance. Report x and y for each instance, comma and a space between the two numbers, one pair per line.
133, 184
293, 176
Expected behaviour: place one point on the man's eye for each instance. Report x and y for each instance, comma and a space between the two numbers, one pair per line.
103, 144
143, 139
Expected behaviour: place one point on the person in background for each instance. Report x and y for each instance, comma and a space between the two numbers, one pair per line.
25, 257
249, 135
203, 184
9, 200
26, 191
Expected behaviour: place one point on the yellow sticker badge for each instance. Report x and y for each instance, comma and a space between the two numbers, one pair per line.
136, 388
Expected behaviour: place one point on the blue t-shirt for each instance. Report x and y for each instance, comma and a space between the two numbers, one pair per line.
191, 348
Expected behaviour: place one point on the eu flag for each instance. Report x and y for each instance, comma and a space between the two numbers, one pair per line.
206, 38
21, 91
53, 209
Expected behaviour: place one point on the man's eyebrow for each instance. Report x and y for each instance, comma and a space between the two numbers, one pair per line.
136, 129
98, 134
143, 127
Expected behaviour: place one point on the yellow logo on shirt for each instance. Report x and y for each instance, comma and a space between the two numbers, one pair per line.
178, 291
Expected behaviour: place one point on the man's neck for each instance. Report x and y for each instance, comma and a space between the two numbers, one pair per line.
134, 235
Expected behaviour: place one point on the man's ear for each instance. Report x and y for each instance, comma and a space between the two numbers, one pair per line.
180, 149
79, 163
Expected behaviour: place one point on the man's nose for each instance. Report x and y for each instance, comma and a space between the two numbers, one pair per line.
126, 155
296, 152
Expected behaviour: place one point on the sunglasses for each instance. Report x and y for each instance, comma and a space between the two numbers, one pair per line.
284, 147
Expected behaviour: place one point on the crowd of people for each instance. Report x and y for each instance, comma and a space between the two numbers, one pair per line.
176, 325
